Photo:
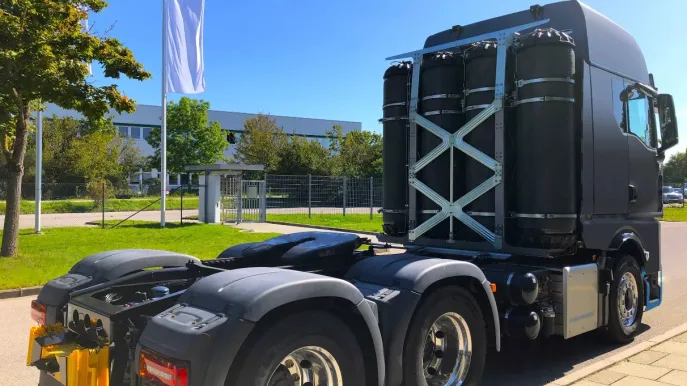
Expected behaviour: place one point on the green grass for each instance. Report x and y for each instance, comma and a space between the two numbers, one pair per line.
353, 222
674, 214
51, 254
111, 205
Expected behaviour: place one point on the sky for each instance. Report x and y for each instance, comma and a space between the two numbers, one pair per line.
325, 59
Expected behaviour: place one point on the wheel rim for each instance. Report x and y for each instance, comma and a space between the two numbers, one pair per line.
307, 366
447, 351
628, 299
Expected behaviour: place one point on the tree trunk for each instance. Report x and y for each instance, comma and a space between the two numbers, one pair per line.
15, 166
10, 234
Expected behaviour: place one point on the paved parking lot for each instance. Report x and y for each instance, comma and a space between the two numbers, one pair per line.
520, 363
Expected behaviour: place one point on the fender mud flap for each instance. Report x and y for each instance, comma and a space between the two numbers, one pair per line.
396, 284
213, 318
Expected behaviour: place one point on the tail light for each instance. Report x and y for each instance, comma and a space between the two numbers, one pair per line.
38, 312
156, 369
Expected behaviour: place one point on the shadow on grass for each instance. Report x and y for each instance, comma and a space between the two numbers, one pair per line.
115, 224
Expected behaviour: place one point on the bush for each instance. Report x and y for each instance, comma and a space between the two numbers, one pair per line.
95, 191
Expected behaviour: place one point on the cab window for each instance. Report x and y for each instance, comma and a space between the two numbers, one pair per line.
638, 117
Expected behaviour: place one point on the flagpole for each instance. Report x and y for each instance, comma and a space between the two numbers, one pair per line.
163, 128
39, 171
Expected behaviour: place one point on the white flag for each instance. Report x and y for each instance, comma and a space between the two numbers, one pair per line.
185, 66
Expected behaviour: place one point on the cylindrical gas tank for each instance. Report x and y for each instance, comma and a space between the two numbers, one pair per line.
546, 144
480, 76
395, 147
441, 91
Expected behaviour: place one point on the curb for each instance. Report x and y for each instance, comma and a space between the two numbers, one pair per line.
619, 357
17, 293
322, 228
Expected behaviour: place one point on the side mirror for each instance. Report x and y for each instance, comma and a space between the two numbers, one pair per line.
668, 122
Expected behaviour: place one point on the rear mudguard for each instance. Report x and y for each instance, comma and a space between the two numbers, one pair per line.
396, 284
102, 267
213, 318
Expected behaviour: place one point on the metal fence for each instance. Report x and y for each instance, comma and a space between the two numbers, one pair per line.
322, 195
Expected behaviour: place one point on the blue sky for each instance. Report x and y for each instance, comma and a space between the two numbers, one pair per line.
325, 59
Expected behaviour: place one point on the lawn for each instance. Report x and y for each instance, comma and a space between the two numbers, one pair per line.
51, 254
353, 222
674, 214
111, 205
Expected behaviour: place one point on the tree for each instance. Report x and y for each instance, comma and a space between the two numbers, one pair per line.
261, 143
191, 139
675, 169
301, 156
104, 157
44, 53
356, 154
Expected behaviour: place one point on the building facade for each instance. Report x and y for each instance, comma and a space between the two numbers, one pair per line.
138, 125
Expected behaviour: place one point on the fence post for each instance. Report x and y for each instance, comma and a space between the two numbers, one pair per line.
263, 200
181, 204
309, 195
372, 191
344, 195
102, 203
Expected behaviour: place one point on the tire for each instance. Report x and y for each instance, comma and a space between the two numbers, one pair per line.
448, 300
271, 343
618, 330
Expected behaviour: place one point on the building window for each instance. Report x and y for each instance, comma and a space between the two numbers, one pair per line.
124, 130
232, 138
135, 132
145, 132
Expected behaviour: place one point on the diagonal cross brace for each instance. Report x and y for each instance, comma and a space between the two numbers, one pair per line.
457, 140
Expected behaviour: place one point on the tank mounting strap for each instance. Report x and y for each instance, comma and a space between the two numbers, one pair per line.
544, 99
400, 211
542, 215
441, 112
480, 89
523, 82
476, 107
481, 214
442, 96
395, 104
393, 119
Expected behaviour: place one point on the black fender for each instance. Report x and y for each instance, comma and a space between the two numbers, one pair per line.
105, 266
213, 318
612, 233
627, 239
396, 283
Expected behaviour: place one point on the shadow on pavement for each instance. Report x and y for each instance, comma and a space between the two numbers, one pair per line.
530, 363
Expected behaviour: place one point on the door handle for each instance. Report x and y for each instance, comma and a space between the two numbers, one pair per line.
633, 194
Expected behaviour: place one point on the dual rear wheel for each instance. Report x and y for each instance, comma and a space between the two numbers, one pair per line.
445, 346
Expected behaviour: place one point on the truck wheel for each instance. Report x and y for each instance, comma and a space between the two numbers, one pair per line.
308, 348
626, 301
446, 343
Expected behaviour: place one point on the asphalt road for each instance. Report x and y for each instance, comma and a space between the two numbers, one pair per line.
517, 364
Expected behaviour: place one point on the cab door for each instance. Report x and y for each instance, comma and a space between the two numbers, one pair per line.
644, 185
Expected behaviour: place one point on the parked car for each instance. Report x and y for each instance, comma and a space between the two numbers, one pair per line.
673, 195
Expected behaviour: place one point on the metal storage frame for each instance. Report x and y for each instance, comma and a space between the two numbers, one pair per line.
451, 208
